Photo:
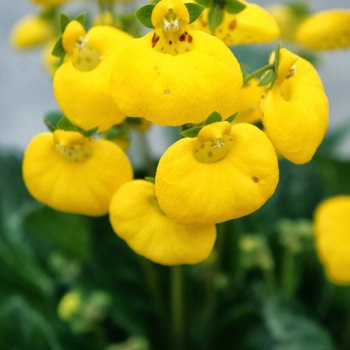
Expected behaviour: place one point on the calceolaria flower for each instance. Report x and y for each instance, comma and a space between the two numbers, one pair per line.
295, 109
252, 25
31, 31
137, 218
325, 30
224, 173
332, 234
81, 83
74, 174
175, 75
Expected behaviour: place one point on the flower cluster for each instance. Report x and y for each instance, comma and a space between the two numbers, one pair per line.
181, 73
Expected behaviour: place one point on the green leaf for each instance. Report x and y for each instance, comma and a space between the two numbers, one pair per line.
90, 132
194, 10
81, 18
215, 17
231, 118
51, 120
193, 132
233, 6
64, 20
144, 14
65, 124
58, 49
267, 78
205, 3
213, 118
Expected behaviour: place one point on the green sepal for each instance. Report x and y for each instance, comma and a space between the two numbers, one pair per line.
194, 10
231, 118
215, 18
205, 3
81, 18
213, 118
64, 20
144, 15
58, 49
90, 132
150, 179
234, 6
267, 78
133, 121
66, 125
51, 120
193, 132
276, 63
116, 131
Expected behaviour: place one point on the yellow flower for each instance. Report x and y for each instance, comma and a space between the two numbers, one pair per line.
71, 173
172, 75
50, 2
31, 31
136, 217
325, 30
332, 233
252, 25
81, 83
295, 110
247, 103
225, 173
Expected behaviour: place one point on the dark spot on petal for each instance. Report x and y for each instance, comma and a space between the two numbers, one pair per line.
182, 37
189, 39
202, 146
170, 42
232, 24
210, 154
255, 179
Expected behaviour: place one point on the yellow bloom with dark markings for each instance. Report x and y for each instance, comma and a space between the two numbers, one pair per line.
224, 173
137, 218
332, 234
295, 110
173, 75
252, 25
81, 83
326, 30
74, 174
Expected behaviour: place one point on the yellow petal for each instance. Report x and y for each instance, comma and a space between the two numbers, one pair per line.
175, 89
137, 218
84, 96
252, 25
325, 30
75, 187
31, 31
295, 110
332, 234
50, 2
193, 192
72, 32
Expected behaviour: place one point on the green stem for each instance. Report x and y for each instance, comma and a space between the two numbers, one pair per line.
177, 305
288, 280
258, 72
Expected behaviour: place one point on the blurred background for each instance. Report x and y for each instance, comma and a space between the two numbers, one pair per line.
26, 91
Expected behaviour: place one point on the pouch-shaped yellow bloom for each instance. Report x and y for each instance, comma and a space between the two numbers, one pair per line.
225, 173
252, 25
332, 233
325, 30
136, 217
248, 103
295, 110
74, 174
173, 76
81, 83
31, 31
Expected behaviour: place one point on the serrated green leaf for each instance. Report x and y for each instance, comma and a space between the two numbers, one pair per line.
81, 18
194, 10
51, 120
65, 124
267, 78
90, 132
206, 3
58, 49
215, 17
233, 6
231, 118
144, 14
213, 118
64, 20
193, 132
